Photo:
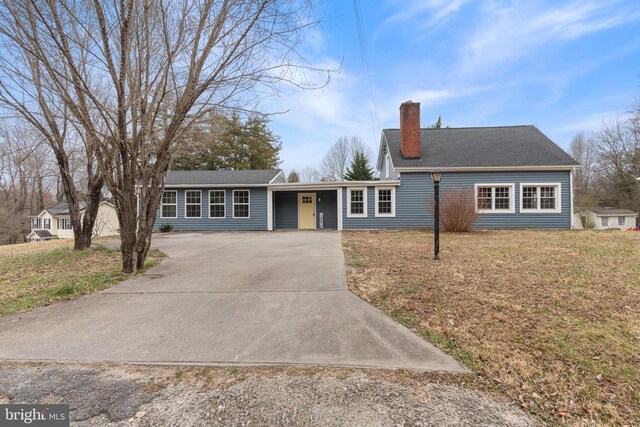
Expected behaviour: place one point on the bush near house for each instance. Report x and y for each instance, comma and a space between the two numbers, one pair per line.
166, 228
551, 319
457, 210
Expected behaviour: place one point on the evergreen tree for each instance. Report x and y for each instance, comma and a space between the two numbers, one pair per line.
230, 143
359, 169
438, 124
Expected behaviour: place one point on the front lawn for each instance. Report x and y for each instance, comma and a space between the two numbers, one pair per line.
36, 274
551, 319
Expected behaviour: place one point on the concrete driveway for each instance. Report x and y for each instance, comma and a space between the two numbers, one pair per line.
230, 299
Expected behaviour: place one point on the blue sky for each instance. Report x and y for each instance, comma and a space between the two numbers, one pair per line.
562, 66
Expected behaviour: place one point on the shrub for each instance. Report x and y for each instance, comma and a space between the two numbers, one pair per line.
165, 228
457, 210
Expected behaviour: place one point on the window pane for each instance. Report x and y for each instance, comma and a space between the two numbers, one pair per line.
168, 211
547, 198
502, 198
384, 201
241, 196
604, 221
357, 195
529, 197
193, 197
621, 220
193, 211
216, 197
216, 211
169, 197
357, 208
484, 197
241, 211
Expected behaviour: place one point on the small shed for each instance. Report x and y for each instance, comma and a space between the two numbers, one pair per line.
605, 218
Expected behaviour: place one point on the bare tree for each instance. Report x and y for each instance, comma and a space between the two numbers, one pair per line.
28, 89
336, 161
617, 147
582, 150
134, 74
310, 174
27, 178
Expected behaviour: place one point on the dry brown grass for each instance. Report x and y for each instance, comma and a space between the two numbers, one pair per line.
36, 274
549, 319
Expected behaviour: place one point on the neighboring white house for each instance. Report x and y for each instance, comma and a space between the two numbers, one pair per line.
54, 222
604, 218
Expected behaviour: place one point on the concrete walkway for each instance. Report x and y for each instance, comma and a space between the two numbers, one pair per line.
229, 299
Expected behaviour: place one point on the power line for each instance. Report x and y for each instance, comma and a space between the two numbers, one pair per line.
364, 54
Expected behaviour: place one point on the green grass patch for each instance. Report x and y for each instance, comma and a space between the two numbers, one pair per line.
44, 275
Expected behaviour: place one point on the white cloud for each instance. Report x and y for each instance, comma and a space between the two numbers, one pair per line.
514, 31
435, 11
593, 122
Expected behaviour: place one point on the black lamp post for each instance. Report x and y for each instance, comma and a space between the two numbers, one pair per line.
436, 177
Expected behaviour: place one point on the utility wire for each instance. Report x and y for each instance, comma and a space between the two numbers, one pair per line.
364, 54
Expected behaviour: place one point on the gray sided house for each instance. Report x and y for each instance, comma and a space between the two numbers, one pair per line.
519, 178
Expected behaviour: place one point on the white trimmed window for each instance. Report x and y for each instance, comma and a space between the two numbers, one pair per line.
604, 221
64, 224
540, 197
217, 203
356, 202
241, 203
193, 204
46, 223
622, 221
36, 223
169, 204
385, 201
495, 198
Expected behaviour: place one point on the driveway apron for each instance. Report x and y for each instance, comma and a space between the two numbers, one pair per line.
252, 298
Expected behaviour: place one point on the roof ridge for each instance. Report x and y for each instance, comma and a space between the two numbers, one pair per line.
470, 127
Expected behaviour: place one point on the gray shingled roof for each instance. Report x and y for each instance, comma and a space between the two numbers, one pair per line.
43, 234
612, 211
61, 209
232, 177
481, 146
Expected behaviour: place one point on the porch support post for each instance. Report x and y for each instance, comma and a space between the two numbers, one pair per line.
269, 209
339, 194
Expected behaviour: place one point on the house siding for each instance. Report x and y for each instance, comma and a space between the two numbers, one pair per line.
257, 212
393, 175
416, 188
286, 209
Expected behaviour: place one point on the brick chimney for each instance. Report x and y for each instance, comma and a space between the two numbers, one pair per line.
410, 130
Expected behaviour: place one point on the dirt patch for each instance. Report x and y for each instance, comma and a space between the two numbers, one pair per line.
109, 395
549, 319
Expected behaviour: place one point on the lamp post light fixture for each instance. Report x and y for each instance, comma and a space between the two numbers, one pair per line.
436, 176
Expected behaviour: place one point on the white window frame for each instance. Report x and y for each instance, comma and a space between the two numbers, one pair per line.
393, 202
602, 221
364, 201
66, 224
493, 210
224, 204
192, 204
46, 221
624, 221
38, 223
233, 204
558, 197
169, 204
